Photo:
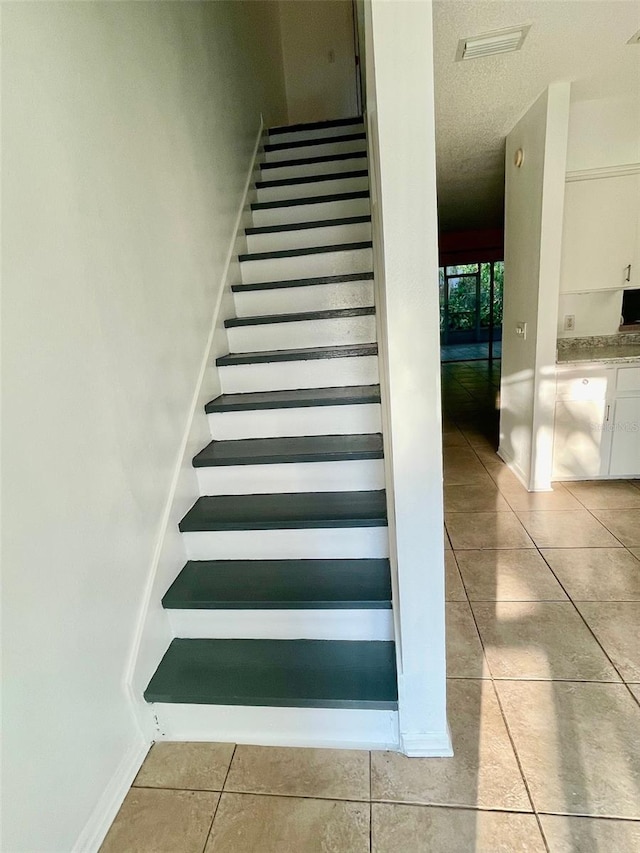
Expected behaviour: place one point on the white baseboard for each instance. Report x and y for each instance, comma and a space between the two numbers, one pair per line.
512, 465
517, 471
109, 803
427, 744
328, 728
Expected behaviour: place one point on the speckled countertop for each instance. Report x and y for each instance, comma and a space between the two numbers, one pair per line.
614, 349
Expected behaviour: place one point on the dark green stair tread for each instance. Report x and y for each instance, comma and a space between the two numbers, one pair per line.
278, 673
305, 226
347, 395
315, 125
313, 199
306, 250
281, 585
303, 282
311, 161
304, 448
311, 179
321, 140
306, 354
332, 314
288, 511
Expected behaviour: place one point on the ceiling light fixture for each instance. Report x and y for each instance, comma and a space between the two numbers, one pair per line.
635, 38
493, 43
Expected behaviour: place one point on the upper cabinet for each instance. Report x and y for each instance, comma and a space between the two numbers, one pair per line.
601, 233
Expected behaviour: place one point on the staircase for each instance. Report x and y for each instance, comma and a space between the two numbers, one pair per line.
282, 614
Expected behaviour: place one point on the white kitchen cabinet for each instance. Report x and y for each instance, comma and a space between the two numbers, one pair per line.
580, 440
597, 422
625, 438
601, 234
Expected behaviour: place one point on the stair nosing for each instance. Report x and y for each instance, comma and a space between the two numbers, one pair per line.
314, 199
312, 161
305, 403
299, 354
300, 317
315, 125
249, 257
302, 282
305, 226
312, 179
203, 459
205, 585
322, 140
302, 604
196, 519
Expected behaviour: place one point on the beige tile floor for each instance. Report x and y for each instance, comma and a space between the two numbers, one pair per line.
543, 646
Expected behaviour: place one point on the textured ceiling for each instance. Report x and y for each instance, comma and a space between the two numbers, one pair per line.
479, 101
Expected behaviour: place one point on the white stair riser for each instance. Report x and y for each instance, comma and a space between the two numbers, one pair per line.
313, 188
329, 728
256, 624
322, 149
313, 212
345, 476
306, 170
316, 133
355, 232
306, 266
309, 543
310, 420
306, 333
308, 297
290, 375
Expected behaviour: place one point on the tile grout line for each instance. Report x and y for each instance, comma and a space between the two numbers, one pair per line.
334, 799
502, 712
215, 811
573, 603
588, 627
370, 806
506, 724
617, 538
412, 803
570, 599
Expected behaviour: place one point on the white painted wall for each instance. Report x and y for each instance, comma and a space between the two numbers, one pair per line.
402, 171
534, 200
318, 55
595, 313
128, 131
604, 134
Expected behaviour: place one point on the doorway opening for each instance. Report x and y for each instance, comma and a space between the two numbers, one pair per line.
471, 297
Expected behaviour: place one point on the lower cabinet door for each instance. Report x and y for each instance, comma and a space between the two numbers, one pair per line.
581, 439
625, 438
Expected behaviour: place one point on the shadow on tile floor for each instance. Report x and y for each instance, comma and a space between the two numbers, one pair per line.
543, 599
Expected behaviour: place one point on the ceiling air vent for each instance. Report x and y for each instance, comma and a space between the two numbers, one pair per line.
491, 44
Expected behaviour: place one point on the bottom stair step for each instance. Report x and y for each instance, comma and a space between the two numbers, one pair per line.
278, 673
280, 585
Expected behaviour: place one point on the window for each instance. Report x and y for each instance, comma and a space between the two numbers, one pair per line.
467, 312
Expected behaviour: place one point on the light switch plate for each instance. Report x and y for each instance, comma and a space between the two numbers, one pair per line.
521, 330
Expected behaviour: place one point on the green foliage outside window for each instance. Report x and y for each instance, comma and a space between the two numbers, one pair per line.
464, 299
